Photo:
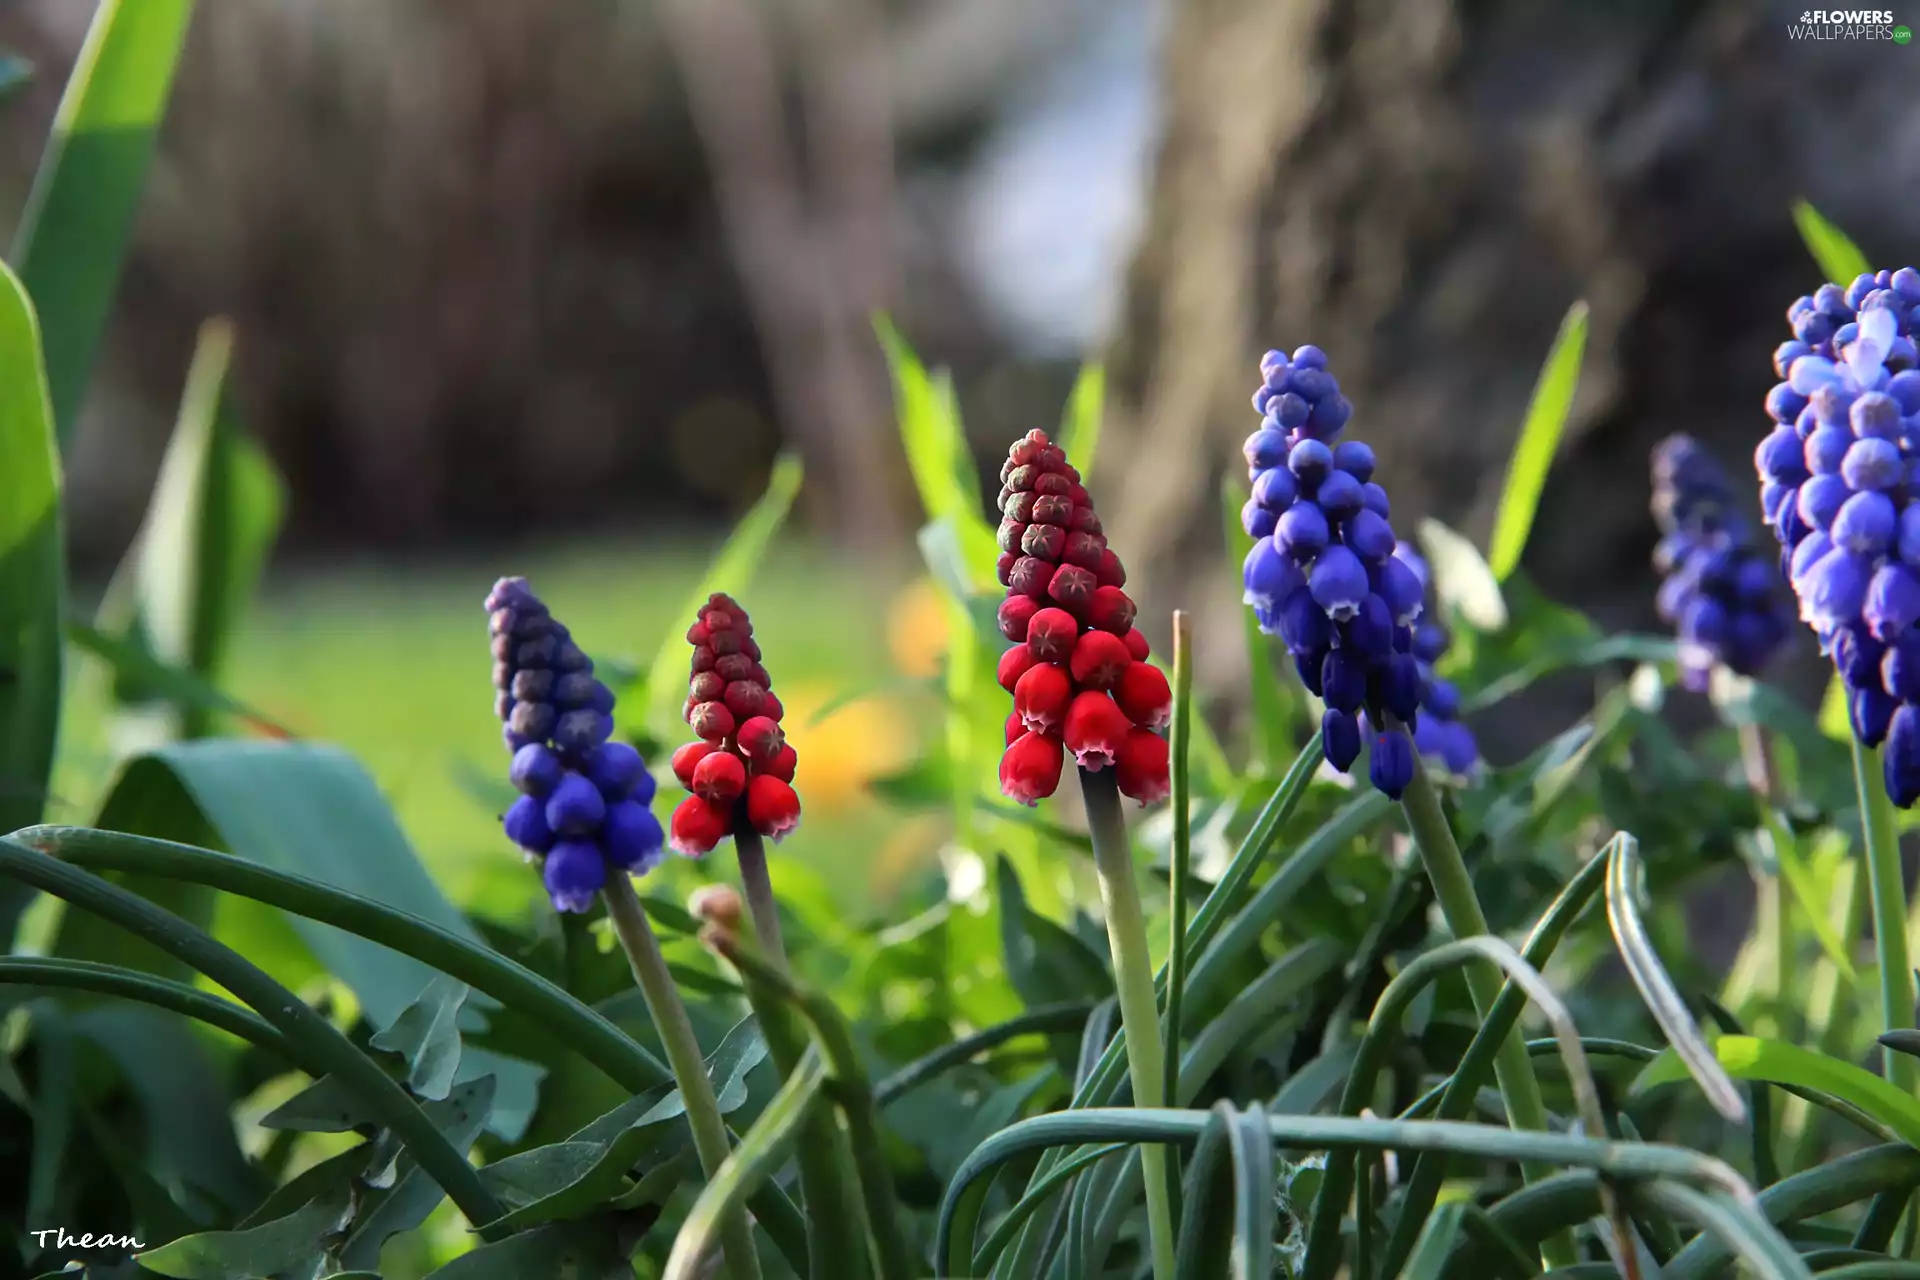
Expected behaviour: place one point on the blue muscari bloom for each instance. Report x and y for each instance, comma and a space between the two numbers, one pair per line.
1322, 573
1718, 591
1440, 736
584, 799
1846, 510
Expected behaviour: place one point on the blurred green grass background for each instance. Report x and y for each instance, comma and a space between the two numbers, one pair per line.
390, 661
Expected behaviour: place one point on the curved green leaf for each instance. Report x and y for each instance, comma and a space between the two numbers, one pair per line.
1839, 258
311, 809
731, 569
270, 1249
1751, 1058
73, 233
1539, 439
1079, 435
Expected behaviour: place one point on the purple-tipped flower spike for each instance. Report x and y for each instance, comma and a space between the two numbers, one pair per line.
1845, 510
1324, 574
1718, 594
583, 804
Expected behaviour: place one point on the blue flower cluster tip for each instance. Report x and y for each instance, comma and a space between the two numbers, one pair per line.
583, 805
1840, 479
1440, 735
1322, 574
1719, 589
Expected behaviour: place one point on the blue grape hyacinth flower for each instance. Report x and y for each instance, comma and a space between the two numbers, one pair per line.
1441, 735
1838, 485
584, 798
1720, 587
1322, 574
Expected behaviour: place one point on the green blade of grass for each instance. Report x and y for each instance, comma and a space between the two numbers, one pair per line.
208, 531
1539, 439
1751, 1058
73, 234
1080, 422
32, 578
731, 569
938, 456
1839, 258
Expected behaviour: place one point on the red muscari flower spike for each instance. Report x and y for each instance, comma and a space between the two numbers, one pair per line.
742, 767
1078, 668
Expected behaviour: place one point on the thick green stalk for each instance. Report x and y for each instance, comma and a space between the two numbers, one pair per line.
683, 1056
1133, 976
752, 853
1453, 889
1882, 841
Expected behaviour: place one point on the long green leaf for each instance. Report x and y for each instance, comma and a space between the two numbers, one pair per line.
214, 514
1751, 1058
1840, 259
32, 577
732, 569
939, 457
1539, 439
1080, 423
73, 234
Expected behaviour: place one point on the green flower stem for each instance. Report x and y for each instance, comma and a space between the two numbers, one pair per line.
758, 1158
1831, 1015
311, 1035
1133, 975
1453, 889
851, 1089
1882, 841
683, 1055
752, 853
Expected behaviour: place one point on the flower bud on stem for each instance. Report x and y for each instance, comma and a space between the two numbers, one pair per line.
683, 1055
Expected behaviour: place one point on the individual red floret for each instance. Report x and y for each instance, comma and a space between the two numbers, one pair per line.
760, 739
721, 777
772, 709
688, 758
1095, 728
772, 807
1099, 660
697, 825
1005, 568
745, 700
1110, 609
697, 634
1136, 644
706, 686
1041, 698
1014, 663
783, 765
1110, 572
1072, 587
1143, 693
1030, 768
1085, 550
1141, 771
1051, 633
1015, 612
712, 721
1016, 727
1030, 576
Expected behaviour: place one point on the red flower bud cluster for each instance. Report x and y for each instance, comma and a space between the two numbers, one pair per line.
1077, 670
740, 768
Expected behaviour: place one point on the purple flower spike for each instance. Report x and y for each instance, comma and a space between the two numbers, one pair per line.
583, 806
1328, 574
1852, 360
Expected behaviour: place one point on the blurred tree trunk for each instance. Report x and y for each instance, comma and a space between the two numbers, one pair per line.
1422, 187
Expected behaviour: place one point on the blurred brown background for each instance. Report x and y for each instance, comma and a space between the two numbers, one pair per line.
504, 268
